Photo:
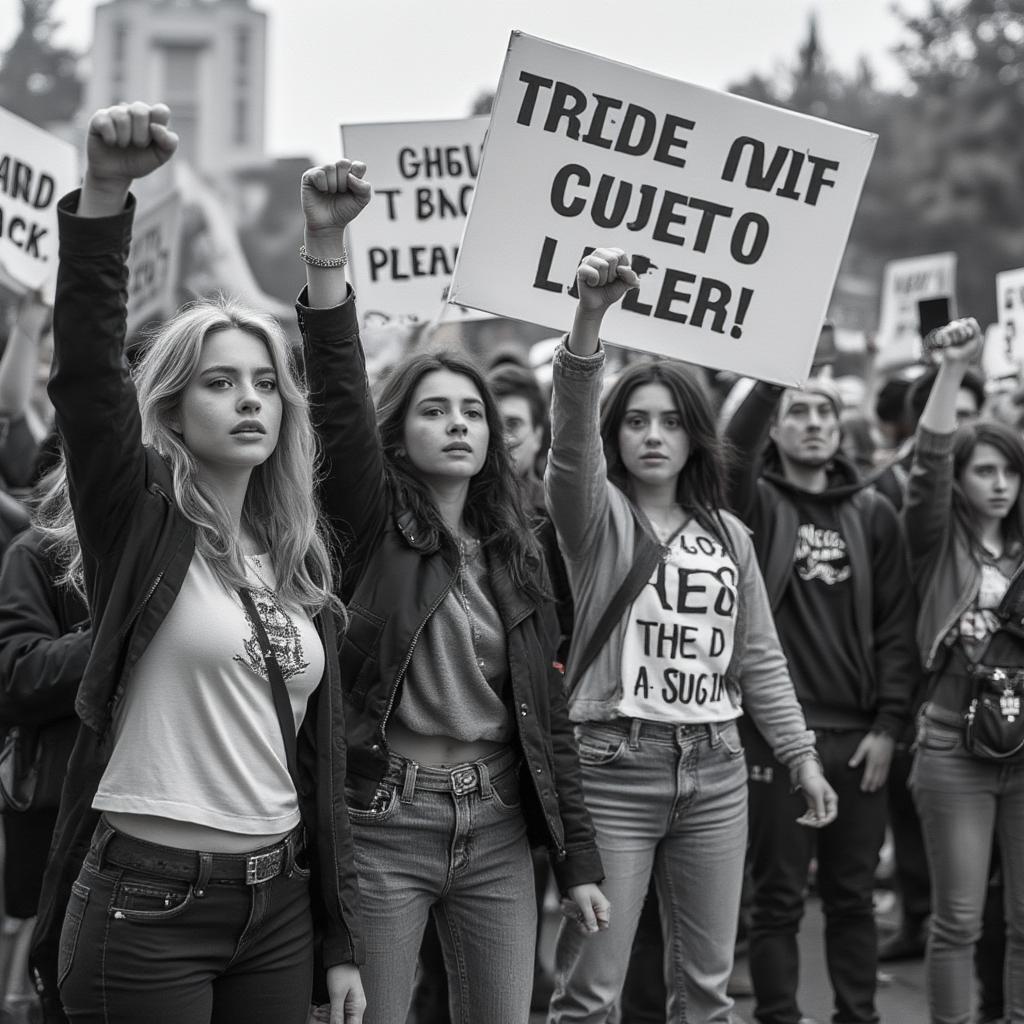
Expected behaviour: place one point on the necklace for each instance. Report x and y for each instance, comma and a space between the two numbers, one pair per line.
256, 565
666, 532
469, 547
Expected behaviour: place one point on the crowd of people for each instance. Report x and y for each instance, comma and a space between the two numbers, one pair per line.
335, 676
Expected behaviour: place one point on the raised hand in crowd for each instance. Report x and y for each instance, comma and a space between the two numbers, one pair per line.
124, 142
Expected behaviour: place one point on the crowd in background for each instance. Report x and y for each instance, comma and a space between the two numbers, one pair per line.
864, 538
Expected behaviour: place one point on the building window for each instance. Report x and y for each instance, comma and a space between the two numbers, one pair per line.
181, 92
241, 121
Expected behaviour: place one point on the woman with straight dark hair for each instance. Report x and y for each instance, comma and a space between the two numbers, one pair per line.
460, 750
965, 530
673, 641
202, 826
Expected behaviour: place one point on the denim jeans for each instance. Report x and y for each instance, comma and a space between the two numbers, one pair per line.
963, 802
672, 801
157, 934
451, 842
780, 856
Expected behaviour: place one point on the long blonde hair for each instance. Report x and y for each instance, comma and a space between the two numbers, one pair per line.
280, 505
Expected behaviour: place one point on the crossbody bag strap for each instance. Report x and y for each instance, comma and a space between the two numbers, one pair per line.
282, 705
639, 573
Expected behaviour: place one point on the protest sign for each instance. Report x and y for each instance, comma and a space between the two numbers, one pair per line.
153, 261
1008, 341
735, 213
36, 169
906, 282
404, 244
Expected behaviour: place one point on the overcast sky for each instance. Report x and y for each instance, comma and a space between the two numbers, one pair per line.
334, 61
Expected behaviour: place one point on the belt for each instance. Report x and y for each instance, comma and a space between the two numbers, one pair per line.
637, 728
259, 866
458, 779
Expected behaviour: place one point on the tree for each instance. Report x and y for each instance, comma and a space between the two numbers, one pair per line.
966, 64
39, 80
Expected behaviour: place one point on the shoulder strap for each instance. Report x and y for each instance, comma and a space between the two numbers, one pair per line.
646, 559
282, 705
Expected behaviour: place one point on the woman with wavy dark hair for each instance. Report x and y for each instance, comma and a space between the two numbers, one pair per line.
673, 641
460, 750
965, 531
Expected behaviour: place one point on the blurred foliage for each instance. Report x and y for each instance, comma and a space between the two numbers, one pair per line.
949, 162
39, 80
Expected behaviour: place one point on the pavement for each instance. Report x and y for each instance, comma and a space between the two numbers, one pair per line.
901, 991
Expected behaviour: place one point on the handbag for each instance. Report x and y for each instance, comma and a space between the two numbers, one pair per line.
994, 725
33, 762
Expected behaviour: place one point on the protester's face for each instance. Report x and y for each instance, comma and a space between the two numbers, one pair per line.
446, 433
989, 482
522, 435
806, 431
230, 412
653, 444
967, 410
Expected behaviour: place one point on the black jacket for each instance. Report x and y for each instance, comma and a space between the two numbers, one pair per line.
393, 583
44, 636
137, 547
884, 604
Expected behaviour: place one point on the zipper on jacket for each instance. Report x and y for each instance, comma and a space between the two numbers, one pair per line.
399, 675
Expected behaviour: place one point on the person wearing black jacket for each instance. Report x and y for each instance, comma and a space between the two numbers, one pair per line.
461, 753
44, 646
835, 566
199, 839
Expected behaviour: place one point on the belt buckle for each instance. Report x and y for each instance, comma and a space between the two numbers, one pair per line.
262, 866
463, 780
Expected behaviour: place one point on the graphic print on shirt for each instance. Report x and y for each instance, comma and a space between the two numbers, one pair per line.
821, 555
679, 637
285, 641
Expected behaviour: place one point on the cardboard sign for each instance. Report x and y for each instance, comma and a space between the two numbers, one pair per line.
735, 213
153, 261
36, 169
905, 283
403, 246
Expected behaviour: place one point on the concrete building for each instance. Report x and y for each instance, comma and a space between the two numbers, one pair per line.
205, 58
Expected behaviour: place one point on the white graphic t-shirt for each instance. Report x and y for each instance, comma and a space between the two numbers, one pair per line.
679, 637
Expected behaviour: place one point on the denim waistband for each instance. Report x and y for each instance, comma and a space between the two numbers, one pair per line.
458, 779
641, 728
113, 847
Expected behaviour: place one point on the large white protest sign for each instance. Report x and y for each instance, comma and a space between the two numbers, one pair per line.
906, 282
36, 169
403, 246
153, 261
736, 213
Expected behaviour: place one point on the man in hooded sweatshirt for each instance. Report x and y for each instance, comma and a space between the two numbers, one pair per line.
834, 563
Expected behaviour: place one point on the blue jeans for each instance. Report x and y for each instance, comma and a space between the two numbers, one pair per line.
780, 855
451, 842
963, 802
672, 801
172, 936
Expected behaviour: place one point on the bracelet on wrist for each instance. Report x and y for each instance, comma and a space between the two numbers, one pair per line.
333, 263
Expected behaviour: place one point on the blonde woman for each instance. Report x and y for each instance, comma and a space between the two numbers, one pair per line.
209, 771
